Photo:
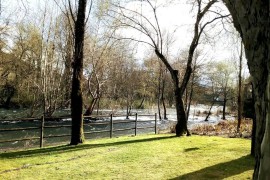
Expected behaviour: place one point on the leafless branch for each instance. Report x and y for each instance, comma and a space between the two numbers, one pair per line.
133, 39
142, 29
89, 12
68, 13
209, 22
71, 12
158, 26
139, 14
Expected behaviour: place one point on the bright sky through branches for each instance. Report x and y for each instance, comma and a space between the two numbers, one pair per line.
176, 19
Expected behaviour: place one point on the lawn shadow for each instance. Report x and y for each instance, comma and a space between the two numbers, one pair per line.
222, 170
191, 149
69, 148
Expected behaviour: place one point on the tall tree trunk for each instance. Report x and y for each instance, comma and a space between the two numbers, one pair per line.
98, 105
179, 92
189, 101
163, 99
186, 99
90, 109
191, 89
128, 108
224, 107
239, 99
66, 83
10, 93
181, 126
141, 104
127, 112
253, 136
251, 19
225, 94
77, 135
159, 110
209, 112
159, 93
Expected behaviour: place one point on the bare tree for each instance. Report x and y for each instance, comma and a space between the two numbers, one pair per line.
98, 64
77, 135
152, 30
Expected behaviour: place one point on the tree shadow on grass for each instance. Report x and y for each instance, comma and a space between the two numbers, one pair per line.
222, 170
191, 149
69, 148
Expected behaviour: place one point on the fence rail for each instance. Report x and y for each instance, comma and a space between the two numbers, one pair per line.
42, 127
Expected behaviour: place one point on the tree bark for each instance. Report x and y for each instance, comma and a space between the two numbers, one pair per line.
77, 135
239, 99
179, 90
90, 109
181, 126
253, 136
10, 92
191, 90
159, 92
141, 104
163, 99
127, 112
209, 112
251, 19
224, 107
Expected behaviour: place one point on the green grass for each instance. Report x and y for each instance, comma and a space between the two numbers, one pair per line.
141, 157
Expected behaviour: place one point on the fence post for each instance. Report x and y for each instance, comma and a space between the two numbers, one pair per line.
41, 131
155, 123
136, 120
82, 126
111, 130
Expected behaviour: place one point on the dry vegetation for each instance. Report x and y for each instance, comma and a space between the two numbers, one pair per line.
226, 128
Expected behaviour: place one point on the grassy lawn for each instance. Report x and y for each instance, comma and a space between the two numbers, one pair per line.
141, 157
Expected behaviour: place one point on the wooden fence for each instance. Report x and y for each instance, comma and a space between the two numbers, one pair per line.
110, 123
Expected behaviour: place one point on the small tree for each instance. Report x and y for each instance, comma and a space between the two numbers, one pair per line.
222, 77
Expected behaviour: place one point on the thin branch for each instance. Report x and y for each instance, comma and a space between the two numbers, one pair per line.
143, 29
65, 12
89, 12
71, 12
209, 22
141, 15
133, 39
158, 26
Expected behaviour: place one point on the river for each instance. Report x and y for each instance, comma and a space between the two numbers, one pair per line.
196, 117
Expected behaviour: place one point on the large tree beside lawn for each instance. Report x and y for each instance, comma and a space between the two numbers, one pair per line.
251, 19
77, 135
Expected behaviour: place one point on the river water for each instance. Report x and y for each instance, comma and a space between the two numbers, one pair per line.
196, 117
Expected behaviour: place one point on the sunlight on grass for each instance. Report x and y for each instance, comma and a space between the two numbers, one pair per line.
141, 157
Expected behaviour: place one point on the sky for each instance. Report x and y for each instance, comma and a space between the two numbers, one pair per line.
178, 19
175, 18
